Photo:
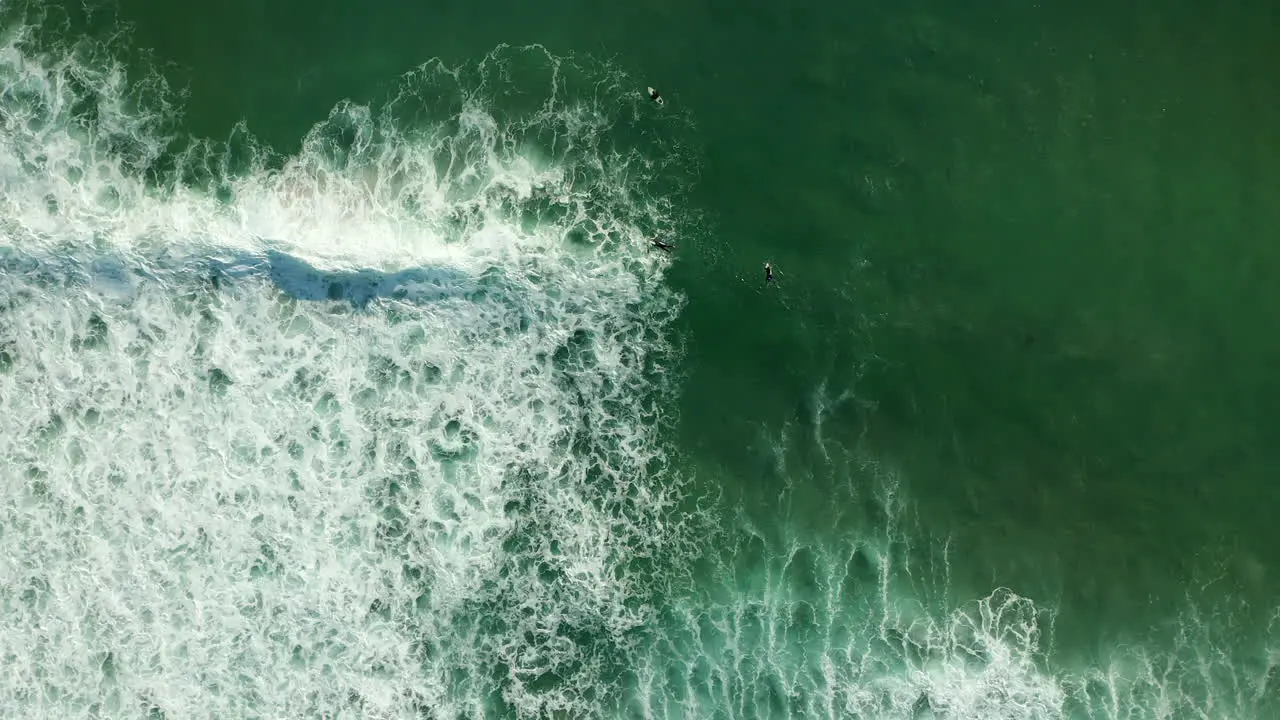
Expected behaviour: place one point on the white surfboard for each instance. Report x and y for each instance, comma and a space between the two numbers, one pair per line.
660, 100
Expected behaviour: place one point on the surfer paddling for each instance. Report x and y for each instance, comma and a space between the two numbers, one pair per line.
768, 272
654, 96
661, 245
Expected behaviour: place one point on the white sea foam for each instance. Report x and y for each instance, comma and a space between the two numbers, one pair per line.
837, 629
371, 431
368, 430
852, 629
830, 615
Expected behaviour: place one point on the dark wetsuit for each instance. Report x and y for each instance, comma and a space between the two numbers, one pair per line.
768, 273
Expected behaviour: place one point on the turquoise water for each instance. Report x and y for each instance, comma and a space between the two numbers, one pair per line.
339, 380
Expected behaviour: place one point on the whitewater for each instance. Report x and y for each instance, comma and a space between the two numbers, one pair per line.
377, 428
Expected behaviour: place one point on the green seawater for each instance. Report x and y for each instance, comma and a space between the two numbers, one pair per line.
993, 445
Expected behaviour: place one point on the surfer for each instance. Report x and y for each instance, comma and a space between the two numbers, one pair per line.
768, 272
661, 245
654, 96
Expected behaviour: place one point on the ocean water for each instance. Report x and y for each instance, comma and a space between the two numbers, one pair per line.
338, 378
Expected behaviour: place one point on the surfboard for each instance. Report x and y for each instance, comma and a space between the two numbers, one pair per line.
660, 100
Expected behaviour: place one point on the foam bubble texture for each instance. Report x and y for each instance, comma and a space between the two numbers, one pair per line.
217, 486
850, 628
372, 431
365, 431
854, 629
846, 609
